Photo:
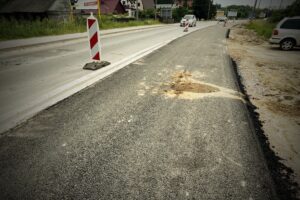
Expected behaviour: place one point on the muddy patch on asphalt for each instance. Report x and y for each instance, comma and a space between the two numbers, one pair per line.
182, 82
185, 85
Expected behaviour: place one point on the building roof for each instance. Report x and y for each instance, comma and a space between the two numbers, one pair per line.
41, 6
165, 1
26, 6
148, 4
111, 6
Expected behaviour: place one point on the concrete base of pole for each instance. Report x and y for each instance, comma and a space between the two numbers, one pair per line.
96, 65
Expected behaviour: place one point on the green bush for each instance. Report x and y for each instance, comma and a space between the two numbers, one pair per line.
147, 14
262, 28
290, 11
15, 29
178, 13
276, 16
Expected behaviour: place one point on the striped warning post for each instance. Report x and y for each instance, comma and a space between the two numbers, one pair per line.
93, 31
95, 46
186, 27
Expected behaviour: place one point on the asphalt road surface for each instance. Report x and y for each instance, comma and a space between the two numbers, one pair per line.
130, 137
30, 76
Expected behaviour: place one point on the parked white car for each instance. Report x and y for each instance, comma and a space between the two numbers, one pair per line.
287, 33
190, 19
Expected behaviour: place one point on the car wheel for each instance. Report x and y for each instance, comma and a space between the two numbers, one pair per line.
287, 44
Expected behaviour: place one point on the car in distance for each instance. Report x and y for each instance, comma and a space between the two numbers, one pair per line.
188, 19
221, 19
287, 33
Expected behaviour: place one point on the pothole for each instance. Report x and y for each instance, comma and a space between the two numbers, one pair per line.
182, 82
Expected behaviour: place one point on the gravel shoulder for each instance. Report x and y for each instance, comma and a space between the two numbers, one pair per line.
272, 80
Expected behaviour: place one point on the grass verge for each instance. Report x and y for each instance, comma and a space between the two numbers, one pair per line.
262, 27
17, 29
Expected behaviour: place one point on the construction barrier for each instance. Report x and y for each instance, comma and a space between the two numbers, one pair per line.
95, 46
186, 27
93, 31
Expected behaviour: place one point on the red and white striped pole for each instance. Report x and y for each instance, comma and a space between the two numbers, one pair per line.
95, 45
186, 27
93, 31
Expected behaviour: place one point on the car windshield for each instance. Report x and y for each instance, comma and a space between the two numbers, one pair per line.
188, 17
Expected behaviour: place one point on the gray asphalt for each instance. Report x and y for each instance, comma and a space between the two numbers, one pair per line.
118, 139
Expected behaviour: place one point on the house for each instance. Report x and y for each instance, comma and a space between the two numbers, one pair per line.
180, 3
148, 4
165, 7
112, 7
131, 5
60, 9
165, 4
29, 9
220, 13
106, 7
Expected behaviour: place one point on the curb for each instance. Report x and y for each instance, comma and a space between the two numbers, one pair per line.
29, 42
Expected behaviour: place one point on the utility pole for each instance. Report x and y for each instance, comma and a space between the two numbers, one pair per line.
99, 7
258, 4
280, 4
137, 9
253, 12
155, 9
71, 4
208, 9
270, 5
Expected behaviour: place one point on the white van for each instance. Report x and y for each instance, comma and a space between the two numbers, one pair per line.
287, 33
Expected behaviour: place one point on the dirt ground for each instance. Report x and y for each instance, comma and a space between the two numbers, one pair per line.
272, 80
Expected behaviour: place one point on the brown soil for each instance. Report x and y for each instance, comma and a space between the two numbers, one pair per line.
181, 82
271, 78
285, 109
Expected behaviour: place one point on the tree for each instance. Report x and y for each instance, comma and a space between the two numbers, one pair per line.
218, 6
294, 9
3, 2
185, 4
204, 9
213, 11
242, 11
178, 13
147, 13
290, 11
200, 8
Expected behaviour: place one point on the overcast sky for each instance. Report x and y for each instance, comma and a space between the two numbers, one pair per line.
263, 3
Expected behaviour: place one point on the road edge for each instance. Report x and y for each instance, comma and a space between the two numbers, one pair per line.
282, 176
